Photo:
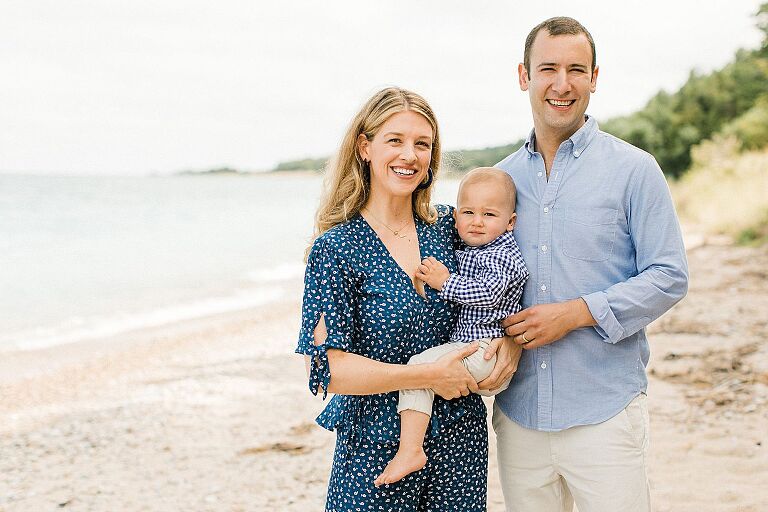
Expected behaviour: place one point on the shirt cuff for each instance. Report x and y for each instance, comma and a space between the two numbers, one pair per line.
449, 287
608, 327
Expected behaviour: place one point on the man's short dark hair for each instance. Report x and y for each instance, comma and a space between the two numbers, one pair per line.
558, 26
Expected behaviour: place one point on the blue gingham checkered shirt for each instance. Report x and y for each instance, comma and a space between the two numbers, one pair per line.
488, 286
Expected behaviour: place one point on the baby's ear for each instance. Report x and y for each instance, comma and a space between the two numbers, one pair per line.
512, 221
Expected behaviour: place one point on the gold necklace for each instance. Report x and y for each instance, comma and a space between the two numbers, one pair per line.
394, 232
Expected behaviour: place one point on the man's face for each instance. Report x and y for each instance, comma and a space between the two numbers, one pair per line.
559, 83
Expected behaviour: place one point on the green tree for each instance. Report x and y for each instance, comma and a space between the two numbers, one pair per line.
751, 128
762, 24
670, 124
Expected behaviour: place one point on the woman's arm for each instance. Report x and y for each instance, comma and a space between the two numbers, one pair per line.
353, 374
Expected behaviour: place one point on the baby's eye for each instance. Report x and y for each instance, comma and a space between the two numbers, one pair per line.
468, 212
489, 214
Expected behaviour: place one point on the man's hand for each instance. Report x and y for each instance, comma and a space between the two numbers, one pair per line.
432, 272
507, 356
544, 323
452, 379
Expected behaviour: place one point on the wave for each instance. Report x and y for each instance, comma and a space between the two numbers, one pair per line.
278, 273
83, 328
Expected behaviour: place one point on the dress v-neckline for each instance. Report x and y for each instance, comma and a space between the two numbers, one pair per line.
411, 280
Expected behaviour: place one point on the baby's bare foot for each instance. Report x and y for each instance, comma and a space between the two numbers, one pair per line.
406, 461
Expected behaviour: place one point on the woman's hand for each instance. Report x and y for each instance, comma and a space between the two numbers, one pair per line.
452, 379
507, 356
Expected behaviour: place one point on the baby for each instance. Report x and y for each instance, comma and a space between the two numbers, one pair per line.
488, 286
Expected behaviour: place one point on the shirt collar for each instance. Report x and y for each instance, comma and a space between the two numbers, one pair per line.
500, 240
579, 140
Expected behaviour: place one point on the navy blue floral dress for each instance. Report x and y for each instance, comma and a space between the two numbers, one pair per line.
372, 309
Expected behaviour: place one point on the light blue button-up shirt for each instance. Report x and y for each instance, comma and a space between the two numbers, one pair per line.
603, 228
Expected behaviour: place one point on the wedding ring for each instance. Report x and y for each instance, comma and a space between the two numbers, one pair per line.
525, 340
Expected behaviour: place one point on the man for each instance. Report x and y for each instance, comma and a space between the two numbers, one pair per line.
598, 231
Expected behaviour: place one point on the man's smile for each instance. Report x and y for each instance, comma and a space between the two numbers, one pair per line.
561, 103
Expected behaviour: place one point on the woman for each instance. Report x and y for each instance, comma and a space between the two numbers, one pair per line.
365, 315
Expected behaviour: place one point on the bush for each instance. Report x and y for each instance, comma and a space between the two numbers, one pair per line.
725, 190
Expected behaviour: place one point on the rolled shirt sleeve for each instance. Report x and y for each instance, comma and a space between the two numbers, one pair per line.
662, 269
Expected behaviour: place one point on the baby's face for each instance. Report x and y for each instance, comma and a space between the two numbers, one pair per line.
483, 213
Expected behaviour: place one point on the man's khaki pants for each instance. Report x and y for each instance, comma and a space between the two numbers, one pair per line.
602, 467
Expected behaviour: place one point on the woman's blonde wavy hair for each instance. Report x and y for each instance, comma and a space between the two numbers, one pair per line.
346, 184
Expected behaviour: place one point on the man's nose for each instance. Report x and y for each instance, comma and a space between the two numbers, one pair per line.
562, 85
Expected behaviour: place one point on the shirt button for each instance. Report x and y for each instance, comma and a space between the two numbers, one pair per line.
543, 248
576, 153
543, 366
540, 173
543, 287
546, 209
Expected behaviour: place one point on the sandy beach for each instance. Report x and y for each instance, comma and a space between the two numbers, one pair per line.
204, 416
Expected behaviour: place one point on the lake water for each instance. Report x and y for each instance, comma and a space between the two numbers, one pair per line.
88, 257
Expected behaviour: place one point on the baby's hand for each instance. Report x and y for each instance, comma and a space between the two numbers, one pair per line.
432, 272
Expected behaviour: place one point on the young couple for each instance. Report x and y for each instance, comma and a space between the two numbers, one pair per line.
402, 296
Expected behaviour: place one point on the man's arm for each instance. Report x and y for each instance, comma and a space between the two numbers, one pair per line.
544, 323
626, 307
507, 358
662, 279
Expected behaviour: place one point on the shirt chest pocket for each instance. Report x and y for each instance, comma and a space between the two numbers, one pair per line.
589, 233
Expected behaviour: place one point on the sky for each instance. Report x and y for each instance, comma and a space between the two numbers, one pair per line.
160, 86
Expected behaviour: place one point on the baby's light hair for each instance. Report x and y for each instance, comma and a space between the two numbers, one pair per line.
491, 174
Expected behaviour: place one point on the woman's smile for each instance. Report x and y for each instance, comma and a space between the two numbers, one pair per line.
402, 171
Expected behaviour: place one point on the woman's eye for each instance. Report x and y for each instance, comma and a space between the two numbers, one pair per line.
425, 144
394, 140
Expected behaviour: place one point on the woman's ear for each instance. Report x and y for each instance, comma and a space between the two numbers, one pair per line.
363, 146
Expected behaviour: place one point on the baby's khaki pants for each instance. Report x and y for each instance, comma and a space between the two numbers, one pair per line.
480, 368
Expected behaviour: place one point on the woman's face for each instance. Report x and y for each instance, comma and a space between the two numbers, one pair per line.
399, 154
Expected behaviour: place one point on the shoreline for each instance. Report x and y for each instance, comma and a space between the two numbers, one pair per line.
214, 413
